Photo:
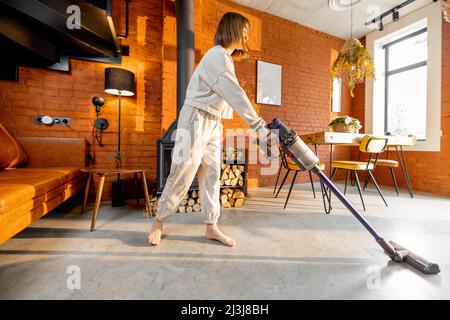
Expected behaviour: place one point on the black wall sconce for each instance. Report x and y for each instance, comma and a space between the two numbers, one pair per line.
100, 123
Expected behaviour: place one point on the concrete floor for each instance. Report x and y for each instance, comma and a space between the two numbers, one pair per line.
299, 253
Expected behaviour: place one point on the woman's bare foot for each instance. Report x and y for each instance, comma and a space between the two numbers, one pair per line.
213, 233
154, 237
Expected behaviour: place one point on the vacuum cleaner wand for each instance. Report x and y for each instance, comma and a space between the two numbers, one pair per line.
307, 160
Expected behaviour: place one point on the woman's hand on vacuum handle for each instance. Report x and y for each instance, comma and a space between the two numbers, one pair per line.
266, 140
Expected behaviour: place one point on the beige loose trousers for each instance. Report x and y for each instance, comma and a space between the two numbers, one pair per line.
197, 150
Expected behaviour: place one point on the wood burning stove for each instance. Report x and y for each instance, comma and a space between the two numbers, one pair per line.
164, 149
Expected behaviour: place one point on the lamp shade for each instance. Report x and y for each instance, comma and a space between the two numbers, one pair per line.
119, 82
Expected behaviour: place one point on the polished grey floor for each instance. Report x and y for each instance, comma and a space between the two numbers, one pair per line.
298, 253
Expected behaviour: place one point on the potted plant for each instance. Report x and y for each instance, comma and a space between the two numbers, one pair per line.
345, 124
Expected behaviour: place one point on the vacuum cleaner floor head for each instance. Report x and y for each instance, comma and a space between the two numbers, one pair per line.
415, 260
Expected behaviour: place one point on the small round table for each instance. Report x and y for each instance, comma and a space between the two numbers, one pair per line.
103, 172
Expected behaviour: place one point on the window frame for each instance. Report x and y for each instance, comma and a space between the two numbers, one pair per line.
389, 73
428, 16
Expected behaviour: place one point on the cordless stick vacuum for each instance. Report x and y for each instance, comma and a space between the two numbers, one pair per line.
307, 160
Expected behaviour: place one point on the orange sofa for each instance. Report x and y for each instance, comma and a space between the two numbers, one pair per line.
51, 176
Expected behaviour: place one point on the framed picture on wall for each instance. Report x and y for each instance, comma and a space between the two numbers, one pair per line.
336, 98
268, 83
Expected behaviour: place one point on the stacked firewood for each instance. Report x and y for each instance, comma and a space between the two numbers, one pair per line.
153, 206
232, 175
232, 198
232, 181
190, 203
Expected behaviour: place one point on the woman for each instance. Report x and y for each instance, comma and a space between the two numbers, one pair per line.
212, 94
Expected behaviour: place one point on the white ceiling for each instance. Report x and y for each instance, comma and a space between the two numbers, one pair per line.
318, 15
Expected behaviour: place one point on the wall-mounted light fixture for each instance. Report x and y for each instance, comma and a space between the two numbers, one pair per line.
100, 123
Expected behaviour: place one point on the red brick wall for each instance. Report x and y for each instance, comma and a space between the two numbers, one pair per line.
429, 171
40, 92
305, 55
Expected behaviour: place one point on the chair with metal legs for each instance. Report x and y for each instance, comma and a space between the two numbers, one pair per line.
385, 163
290, 165
373, 146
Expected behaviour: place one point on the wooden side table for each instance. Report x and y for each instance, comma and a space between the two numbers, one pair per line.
103, 172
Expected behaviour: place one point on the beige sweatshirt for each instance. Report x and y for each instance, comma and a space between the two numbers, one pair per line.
214, 88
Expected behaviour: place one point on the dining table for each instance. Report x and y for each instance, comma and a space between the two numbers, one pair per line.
353, 139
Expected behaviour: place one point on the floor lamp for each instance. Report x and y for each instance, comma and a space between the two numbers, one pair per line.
119, 82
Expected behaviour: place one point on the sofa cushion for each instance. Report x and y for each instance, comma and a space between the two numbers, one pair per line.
12, 155
60, 194
21, 185
54, 152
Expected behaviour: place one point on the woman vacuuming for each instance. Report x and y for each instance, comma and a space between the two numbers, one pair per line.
212, 94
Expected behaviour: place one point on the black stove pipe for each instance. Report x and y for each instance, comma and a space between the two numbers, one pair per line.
185, 48
185, 68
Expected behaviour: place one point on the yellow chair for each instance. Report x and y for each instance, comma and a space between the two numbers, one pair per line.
289, 164
385, 163
373, 146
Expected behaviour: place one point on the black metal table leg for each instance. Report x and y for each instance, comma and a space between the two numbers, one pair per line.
331, 158
404, 168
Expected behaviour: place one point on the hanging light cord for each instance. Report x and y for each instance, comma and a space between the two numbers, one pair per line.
351, 20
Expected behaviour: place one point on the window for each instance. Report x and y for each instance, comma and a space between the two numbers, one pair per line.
406, 85
336, 101
413, 48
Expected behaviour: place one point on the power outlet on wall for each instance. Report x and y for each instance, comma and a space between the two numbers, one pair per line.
48, 120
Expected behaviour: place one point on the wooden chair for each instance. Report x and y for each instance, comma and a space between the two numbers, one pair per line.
373, 146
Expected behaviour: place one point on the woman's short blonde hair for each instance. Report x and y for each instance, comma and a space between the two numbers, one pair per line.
231, 30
